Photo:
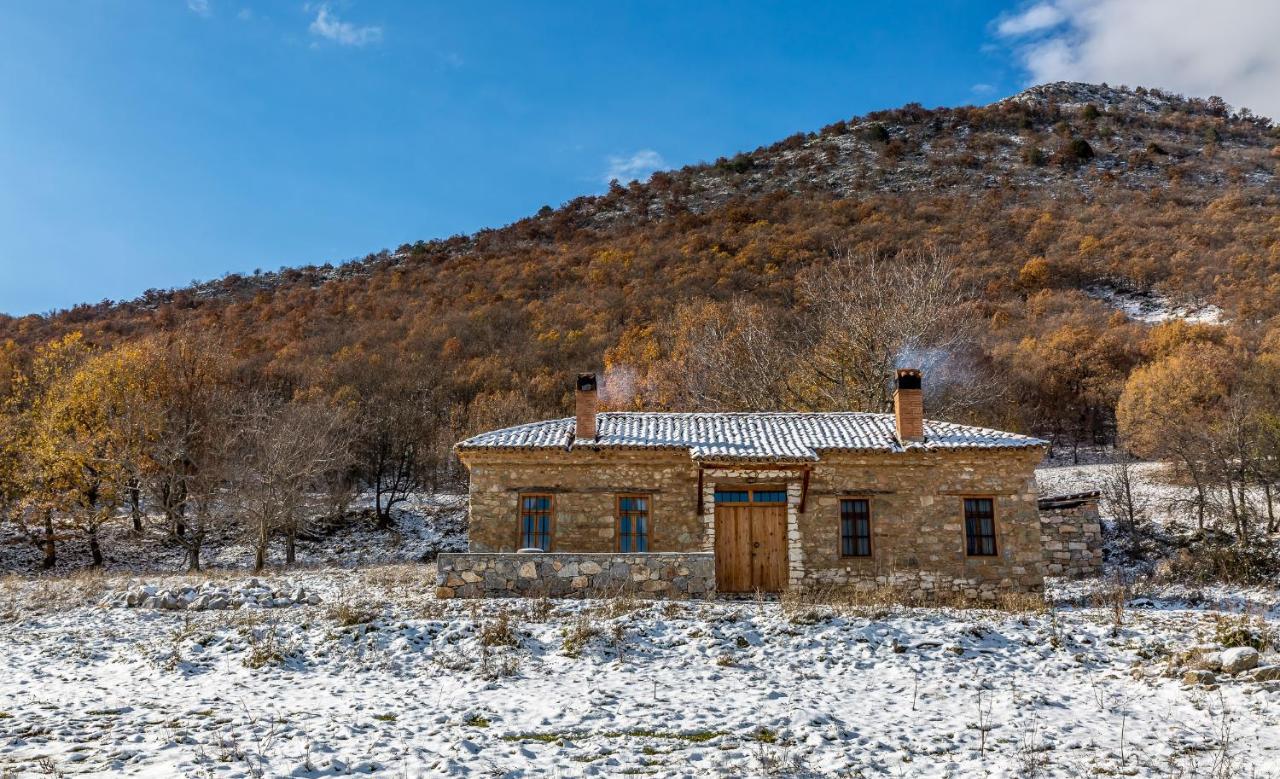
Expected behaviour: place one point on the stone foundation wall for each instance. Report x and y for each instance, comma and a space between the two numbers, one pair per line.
1072, 538
568, 574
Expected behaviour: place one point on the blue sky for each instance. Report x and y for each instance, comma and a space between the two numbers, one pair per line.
146, 143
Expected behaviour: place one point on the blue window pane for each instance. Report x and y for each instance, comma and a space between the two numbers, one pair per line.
642, 543
771, 496
731, 497
624, 525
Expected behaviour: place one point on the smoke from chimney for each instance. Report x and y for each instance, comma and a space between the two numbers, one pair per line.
585, 407
908, 405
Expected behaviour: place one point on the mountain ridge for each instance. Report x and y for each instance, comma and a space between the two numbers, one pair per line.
1037, 198
754, 172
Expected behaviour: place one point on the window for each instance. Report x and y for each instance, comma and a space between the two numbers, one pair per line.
855, 527
535, 522
633, 523
980, 526
769, 496
751, 495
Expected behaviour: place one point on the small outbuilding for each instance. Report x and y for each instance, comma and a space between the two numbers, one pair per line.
681, 505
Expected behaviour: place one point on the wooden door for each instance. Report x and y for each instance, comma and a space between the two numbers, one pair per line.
733, 549
751, 548
768, 547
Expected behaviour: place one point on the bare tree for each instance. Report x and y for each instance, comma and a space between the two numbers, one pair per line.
733, 356
289, 457
1120, 495
868, 315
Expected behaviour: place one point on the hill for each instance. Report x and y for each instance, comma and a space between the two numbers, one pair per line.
1052, 205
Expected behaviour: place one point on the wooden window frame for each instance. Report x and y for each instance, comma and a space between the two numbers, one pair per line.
870, 532
969, 538
751, 490
617, 522
551, 519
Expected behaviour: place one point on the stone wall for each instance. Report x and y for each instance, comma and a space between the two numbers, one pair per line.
584, 485
1071, 533
917, 522
497, 575
916, 498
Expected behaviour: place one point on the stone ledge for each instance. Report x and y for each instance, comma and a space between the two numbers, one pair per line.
573, 574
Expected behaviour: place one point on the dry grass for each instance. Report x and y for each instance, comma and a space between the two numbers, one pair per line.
812, 605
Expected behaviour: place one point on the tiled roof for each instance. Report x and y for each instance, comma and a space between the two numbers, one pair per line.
746, 436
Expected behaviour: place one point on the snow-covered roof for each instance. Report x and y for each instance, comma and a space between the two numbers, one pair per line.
774, 436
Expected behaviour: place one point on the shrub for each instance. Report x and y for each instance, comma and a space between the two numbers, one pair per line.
498, 632
1074, 152
739, 164
348, 614
875, 133
1033, 155
578, 635
1216, 558
1242, 630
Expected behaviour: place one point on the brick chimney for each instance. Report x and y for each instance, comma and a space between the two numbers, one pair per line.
908, 405
585, 407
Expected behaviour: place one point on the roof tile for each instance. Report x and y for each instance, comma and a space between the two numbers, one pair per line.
747, 436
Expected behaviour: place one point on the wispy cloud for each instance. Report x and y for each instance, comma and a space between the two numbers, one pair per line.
200, 8
328, 26
635, 166
982, 89
1040, 16
1225, 48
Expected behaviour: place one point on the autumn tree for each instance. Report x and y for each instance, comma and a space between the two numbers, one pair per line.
87, 438
189, 400
1171, 409
289, 452
34, 470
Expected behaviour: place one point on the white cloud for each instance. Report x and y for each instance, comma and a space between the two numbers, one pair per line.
1041, 16
982, 89
199, 7
636, 166
1226, 48
245, 15
328, 26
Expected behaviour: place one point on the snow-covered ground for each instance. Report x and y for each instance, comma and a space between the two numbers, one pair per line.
1154, 308
379, 677
424, 525
350, 665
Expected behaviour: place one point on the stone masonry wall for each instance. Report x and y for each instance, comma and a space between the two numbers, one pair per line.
1072, 539
917, 511
584, 485
498, 575
917, 522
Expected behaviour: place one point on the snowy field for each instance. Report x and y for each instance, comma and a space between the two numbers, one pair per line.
379, 677
350, 665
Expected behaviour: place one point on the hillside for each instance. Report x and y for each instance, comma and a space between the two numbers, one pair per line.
1036, 198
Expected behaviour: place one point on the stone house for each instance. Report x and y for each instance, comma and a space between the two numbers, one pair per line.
682, 505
